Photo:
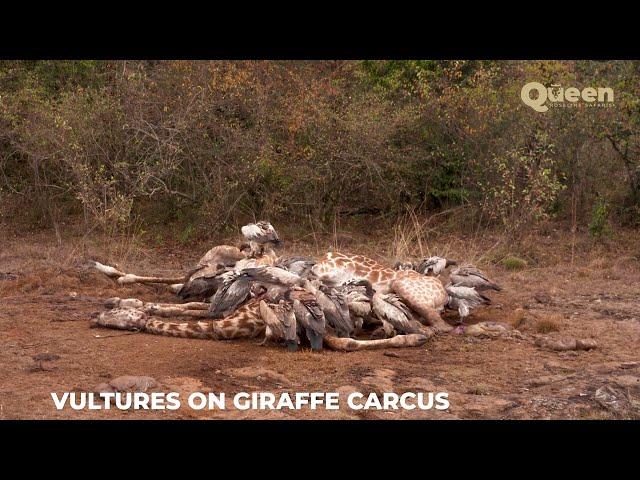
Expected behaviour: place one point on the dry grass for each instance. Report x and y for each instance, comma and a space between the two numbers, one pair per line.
514, 263
517, 318
411, 237
417, 237
548, 324
479, 389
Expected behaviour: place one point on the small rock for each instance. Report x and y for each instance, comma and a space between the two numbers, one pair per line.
626, 365
391, 354
611, 398
558, 366
546, 380
259, 373
133, 382
45, 357
586, 344
103, 388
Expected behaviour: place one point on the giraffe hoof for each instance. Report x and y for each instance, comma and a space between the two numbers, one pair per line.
126, 279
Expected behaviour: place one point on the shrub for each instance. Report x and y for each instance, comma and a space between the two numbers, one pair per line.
599, 225
525, 185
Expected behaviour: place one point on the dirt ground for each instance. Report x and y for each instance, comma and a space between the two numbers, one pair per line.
48, 296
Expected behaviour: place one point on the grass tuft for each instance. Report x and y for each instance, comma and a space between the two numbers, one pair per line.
514, 263
548, 325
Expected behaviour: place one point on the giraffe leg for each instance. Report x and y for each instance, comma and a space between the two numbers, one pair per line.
352, 345
422, 294
132, 278
434, 319
127, 278
116, 302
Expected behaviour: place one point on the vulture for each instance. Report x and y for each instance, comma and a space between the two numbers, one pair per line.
464, 299
358, 301
204, 279
276, 280
225, 255
390, 309
202, 282
234, 291
260, 234
336, 310
272, 275
470, 276
309, 316
434, 265
280, 321
300, 266
404, 266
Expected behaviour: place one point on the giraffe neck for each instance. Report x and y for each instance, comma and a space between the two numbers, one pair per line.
245, 322
338, 268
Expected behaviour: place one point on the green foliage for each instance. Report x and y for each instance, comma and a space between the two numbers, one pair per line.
395, 75
51, 77
599, 225
186, 234
525, 184
513, 263
205, 145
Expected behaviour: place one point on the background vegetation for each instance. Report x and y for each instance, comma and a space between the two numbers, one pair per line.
204, 146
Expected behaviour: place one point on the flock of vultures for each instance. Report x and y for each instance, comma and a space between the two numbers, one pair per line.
341, 301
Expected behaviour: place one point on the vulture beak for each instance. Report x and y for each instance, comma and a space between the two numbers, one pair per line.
450, 262
278, 243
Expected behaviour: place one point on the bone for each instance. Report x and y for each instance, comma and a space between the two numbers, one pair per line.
116, 302
564, 345
352, 345
107, 270
132, 278
175, 283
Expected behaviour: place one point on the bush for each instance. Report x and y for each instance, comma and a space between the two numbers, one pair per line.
599, 225
214, 144
525, 185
